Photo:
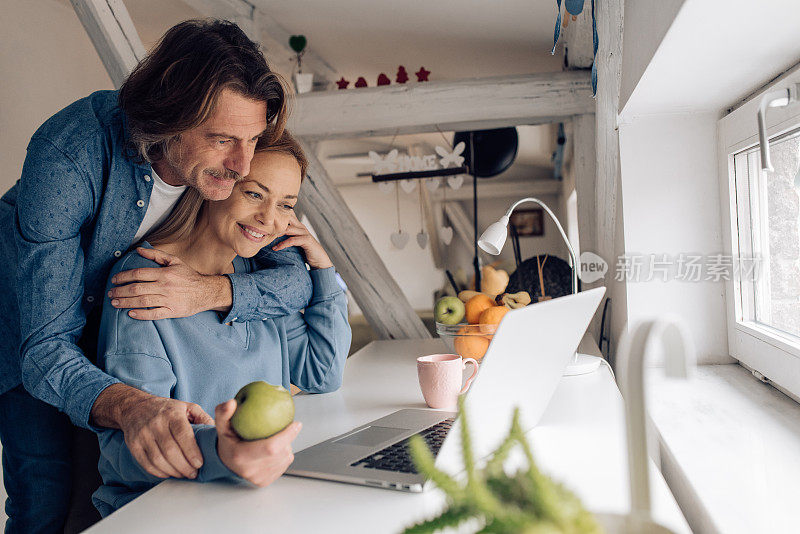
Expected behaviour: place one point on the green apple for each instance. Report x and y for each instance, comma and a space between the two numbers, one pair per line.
449, 310
262, 410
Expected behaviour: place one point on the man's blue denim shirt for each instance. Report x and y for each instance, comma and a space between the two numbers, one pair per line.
69, 218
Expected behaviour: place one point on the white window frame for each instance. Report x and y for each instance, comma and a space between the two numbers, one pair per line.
774, 355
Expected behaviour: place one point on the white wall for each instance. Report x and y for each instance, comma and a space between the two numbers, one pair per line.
646, 24
47, 62
411, 267
712, 55
671, 199
490, 210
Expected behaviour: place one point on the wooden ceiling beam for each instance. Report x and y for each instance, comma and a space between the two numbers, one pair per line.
455, 105
262, 28
383, 303
111, 30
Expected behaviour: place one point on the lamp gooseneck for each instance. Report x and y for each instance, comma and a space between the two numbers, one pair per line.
492, 243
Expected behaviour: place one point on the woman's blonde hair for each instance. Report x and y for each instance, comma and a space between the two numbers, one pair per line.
183, 219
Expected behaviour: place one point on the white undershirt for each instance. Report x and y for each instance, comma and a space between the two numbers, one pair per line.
162, 199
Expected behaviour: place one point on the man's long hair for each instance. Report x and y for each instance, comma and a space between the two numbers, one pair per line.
176, 87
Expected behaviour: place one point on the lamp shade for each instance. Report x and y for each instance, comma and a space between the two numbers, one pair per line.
494, 237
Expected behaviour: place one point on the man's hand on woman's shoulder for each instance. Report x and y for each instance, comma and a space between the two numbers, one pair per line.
158, 431
173, 290
261, 461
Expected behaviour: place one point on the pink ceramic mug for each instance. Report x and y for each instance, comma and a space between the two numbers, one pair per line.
440, 377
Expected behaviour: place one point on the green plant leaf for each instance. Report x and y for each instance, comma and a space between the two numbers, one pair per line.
297, 43
424, 462
529, 502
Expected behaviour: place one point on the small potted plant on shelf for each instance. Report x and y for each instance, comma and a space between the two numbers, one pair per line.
303, 81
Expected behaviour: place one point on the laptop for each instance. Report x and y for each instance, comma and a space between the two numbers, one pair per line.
522, 367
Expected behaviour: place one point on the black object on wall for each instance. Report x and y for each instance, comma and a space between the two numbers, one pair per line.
495, 150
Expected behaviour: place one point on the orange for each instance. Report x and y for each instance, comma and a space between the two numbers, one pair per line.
470, 345
476, 305
493, 315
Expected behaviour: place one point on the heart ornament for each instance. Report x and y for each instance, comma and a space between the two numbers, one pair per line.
422, 239
399, 239
446, 234
408, 185
297, 43
432, 184
385, 187
455, 181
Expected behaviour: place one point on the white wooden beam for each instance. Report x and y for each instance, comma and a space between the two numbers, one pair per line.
114, 37
456, 105
276, 38
486, 189
509, 190
380, 298
578, 47
238, 11
610, 233
262, 28
585, 169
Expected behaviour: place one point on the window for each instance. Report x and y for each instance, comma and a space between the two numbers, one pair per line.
762, 237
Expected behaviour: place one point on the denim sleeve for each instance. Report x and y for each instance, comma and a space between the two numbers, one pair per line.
54, 201
319, 339
280, 287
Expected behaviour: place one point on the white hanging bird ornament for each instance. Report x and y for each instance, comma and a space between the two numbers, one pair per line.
384, 164
454, 157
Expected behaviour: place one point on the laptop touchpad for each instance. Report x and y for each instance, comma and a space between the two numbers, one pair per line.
371, 436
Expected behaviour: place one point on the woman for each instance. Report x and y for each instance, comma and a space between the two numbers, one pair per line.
199, 359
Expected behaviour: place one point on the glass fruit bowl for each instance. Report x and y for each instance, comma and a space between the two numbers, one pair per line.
467, 340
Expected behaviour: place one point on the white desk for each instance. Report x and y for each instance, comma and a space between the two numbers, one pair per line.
585, 415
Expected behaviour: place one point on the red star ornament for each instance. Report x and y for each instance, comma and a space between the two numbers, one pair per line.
342, 84
422, 74
361, 82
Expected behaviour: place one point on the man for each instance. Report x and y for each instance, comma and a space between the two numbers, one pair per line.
98, 176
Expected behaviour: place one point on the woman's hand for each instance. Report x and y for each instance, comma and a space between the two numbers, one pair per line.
299, 236
261, 461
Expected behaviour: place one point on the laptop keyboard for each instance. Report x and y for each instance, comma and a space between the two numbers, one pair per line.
396, 457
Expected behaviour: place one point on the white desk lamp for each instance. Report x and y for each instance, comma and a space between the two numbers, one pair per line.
492, 241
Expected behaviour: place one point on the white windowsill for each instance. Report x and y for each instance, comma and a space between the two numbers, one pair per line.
730, 449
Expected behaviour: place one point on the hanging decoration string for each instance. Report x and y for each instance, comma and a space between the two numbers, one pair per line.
447, 142
394, 137
421, 212
397, 202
